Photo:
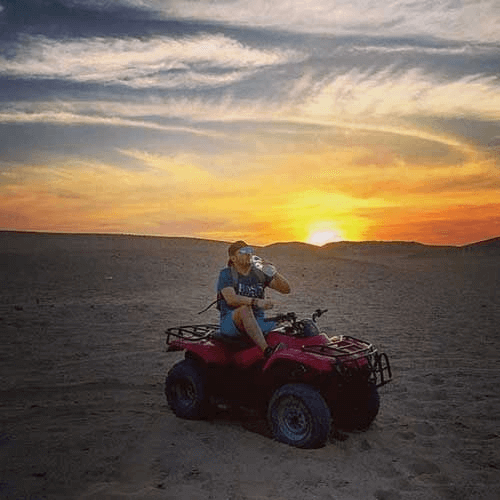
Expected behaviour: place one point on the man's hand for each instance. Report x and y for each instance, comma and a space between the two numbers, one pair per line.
269, 269
265, 304
263, 265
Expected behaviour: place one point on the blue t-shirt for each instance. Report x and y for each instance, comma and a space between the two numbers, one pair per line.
248, 286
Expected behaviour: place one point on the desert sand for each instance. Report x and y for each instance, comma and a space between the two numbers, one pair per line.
83, 363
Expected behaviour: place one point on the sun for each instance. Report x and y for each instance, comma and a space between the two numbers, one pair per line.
322, 233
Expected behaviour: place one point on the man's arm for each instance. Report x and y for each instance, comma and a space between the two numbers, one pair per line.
234, 300
279, 283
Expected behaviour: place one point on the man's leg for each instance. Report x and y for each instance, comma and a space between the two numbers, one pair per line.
244, 319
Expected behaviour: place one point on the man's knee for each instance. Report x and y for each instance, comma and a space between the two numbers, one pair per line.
241, 314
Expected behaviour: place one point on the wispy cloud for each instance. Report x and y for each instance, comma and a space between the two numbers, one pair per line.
441, 19
451, 20
462, 49
180, 170
388, 92
65, 118
156, 61
391, 92
355, 100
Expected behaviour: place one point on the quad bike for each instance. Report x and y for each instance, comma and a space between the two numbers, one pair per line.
315, 382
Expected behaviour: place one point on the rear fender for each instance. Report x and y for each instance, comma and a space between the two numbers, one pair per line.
205, 350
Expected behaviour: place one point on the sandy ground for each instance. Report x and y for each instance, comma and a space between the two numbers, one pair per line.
83, 362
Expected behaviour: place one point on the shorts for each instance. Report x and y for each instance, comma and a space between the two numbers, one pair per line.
229, 329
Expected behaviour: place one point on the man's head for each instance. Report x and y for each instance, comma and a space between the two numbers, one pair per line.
238, 250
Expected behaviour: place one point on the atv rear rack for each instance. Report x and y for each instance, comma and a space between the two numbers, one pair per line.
191, 333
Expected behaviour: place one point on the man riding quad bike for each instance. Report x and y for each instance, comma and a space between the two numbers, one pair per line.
315, 382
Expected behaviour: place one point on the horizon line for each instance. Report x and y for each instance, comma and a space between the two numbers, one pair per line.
147, 235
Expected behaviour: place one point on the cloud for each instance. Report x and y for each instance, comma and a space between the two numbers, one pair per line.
494, 145
388, 100
181, 172
67, 118
392, 93
463, 49
441, 19
156, 61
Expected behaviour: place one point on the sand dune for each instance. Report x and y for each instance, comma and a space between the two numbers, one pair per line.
83, 361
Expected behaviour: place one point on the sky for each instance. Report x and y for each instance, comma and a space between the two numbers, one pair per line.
269, 121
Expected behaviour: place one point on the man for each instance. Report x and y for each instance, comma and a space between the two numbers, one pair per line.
241, 297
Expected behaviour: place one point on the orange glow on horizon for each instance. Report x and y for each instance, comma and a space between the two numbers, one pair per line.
322, 233
317, 197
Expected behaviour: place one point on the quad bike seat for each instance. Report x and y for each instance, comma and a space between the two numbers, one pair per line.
208, 343
235, 343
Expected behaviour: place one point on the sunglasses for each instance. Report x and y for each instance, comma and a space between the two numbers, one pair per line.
246, 250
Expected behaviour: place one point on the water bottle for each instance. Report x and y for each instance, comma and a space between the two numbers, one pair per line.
266, 267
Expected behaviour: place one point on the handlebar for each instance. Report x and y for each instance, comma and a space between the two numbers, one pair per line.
318, 313
292, 317
280, 318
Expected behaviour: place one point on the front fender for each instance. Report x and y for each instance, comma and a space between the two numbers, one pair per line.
293, 365
311, 365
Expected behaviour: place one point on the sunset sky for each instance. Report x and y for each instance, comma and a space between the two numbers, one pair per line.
282, 120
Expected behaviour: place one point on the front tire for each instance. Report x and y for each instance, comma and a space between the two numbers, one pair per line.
358, 408
185, 389
368, 410
299, 416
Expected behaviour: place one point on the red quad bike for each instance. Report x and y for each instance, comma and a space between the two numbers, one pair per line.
305, 388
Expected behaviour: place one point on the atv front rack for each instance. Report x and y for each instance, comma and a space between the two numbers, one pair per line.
380, 368
191, 333
352, 354
344, 346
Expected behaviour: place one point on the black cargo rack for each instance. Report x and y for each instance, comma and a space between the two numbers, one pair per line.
378, 363
191, 333
336, 351
381, 368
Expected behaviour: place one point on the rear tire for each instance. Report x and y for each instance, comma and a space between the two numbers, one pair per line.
185, 389
299, 416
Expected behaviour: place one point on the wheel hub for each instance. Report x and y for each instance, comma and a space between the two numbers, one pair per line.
185, 392
294, 418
